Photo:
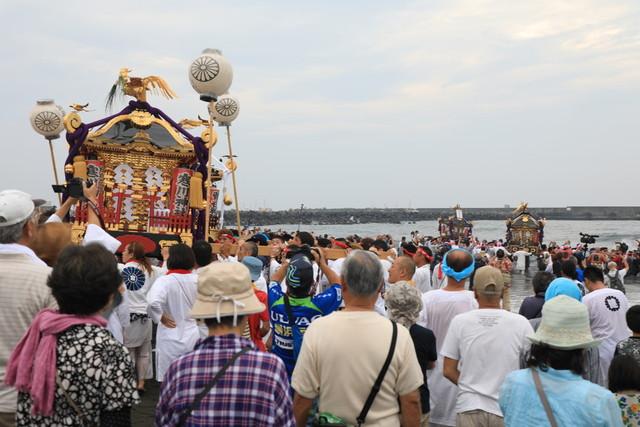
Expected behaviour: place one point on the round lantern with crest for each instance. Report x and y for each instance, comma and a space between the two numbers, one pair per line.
47, 119
210, 74
225, 110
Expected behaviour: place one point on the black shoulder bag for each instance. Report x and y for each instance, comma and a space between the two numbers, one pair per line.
376, 386
196, 402
327, 419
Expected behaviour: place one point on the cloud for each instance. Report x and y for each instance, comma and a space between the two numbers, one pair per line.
359, 103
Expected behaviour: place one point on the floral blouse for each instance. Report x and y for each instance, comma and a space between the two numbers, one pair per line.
630, 406
98, 375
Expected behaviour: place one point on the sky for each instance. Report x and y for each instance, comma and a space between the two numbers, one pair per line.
357, 103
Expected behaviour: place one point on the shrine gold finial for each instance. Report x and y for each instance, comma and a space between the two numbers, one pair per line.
80, 107
521, 208
138, 87
72, 121
190, 123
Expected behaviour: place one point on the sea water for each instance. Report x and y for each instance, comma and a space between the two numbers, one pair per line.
610, 232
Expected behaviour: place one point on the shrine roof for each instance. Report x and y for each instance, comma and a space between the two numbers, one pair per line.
127, 128
125, 132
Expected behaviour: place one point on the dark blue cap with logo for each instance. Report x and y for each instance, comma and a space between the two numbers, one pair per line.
299, 272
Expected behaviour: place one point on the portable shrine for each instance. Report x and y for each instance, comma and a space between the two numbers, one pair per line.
524, 230
455, 227
153, 175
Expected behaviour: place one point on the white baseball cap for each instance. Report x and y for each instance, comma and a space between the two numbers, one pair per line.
15, 206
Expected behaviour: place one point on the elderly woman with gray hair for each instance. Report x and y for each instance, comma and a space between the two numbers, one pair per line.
404, 304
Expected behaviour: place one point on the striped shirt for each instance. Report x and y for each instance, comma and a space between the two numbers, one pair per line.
254, 391
23, 293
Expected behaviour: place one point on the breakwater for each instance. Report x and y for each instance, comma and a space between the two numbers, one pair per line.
396, 216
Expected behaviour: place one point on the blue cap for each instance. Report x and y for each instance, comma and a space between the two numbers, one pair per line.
260, 238
563, 286
254, 265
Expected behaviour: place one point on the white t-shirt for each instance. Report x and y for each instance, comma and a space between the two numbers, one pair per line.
488, 343
440, 307
119, 319
422, 278
174, 295
273, 267
386, 265
321, 279
438, 278
261, 284
95, 234
380, 308
336, 265
607, 311
521, 259
340, 359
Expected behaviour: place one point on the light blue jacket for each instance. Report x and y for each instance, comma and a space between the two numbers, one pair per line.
573, 400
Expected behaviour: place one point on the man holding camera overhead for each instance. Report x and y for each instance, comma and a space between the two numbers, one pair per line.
291, 312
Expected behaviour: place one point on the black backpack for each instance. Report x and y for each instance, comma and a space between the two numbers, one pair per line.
616, 283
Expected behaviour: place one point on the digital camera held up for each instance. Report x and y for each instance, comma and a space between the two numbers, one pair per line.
73, 188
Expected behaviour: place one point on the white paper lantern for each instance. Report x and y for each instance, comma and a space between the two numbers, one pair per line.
225, 109
47, 119
210, 74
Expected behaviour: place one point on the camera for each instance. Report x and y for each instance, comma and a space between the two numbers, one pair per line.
299, 250
73, 188
622, 246
588, 239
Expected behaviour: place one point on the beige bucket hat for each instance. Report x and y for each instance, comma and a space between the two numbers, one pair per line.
488, 281
564, 325
225, 289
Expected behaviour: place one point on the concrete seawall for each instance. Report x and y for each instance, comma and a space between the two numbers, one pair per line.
347, 215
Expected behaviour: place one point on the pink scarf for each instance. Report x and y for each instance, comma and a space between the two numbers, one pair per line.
32, 365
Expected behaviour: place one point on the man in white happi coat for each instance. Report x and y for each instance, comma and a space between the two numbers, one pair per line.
440, 306
170, 300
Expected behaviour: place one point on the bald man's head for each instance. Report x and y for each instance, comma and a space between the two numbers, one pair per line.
402, 268
459, 260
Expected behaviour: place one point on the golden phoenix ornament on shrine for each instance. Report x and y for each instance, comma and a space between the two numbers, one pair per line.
138, 87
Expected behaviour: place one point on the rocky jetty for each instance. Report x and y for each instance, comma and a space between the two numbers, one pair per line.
350, 216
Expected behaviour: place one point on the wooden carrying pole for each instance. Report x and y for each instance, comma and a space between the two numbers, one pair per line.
328, 252
233, 178
55, 170
207, 184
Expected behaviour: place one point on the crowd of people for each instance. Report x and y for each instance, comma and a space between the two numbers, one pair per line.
415, 334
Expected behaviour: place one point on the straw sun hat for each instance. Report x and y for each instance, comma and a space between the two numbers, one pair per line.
564, 325
225, 289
